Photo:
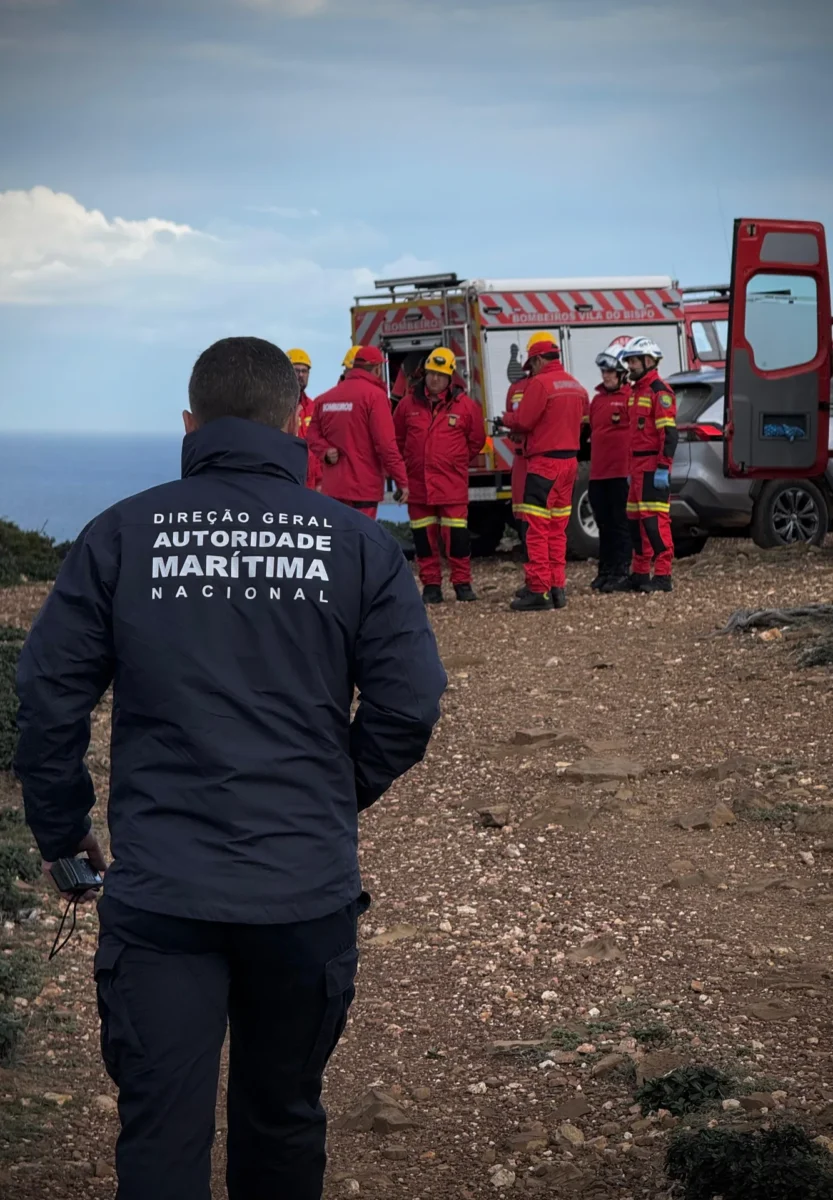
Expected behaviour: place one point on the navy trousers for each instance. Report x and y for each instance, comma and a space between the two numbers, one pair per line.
167, 990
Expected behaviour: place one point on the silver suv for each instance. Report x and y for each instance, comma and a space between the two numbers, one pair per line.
703, 501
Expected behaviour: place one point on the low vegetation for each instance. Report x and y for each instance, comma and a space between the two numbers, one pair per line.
27, 556
769, 1164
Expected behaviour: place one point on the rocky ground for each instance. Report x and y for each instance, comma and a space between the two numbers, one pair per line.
614, 860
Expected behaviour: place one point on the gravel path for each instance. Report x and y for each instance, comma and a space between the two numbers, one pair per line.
617, 851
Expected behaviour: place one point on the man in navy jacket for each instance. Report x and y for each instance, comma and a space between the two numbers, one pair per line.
235, 613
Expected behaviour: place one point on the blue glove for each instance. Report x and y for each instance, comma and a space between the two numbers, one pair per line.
662, 480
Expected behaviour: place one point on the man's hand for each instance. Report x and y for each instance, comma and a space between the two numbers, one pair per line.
498, 426
402, 496
662, 479
91, 847
331, 456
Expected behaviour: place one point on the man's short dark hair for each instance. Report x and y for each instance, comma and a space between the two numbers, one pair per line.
243, 377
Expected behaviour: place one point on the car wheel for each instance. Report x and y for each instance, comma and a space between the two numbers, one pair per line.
582, 530
686, 545
789, 511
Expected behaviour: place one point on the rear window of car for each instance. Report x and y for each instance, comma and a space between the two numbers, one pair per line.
692, 400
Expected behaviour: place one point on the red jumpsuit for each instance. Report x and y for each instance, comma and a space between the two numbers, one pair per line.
653, 421
306, 404
439, 437
354, 418
513, 399
550, 415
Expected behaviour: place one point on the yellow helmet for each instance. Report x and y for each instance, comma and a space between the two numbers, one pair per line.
442, 361
299, 358
350, 357
543, 335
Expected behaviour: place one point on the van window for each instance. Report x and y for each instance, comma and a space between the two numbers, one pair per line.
781, 320
692, 399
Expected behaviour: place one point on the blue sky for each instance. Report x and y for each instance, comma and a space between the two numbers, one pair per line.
174, 171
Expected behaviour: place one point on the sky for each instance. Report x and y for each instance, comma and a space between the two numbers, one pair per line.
176, 171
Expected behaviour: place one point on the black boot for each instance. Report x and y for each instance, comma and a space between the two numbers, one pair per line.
662, 583
532, 602
432, 593
640, 583
616, 583
464, 591
522, 591
559, 598
601, 579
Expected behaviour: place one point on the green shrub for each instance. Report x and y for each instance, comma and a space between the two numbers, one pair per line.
11, 641
771, 1164
26, 555
685, 1090
11, 1029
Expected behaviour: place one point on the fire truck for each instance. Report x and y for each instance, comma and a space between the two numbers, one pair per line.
706, 311
486, 323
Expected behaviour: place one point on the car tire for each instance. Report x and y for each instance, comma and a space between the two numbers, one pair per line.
789, 511
582, 530
687, 545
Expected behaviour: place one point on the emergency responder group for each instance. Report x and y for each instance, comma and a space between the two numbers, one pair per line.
436, 431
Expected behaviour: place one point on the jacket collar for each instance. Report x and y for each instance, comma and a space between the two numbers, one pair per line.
232, 444
366, 377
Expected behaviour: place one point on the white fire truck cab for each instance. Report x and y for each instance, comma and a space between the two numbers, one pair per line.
486, 323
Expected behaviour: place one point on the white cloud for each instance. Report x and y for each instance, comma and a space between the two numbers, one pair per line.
155, 278
48, 240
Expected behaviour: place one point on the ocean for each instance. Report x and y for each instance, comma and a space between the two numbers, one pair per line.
57, 483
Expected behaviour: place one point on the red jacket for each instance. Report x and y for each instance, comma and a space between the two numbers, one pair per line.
306, 405
438, 440
514, 396
610, 433
354, 418
551, 412
653, 407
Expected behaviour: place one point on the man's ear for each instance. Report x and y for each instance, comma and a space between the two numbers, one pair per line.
291, 425
190, 422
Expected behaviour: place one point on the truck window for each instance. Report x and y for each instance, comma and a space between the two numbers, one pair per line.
781, 322
710, 339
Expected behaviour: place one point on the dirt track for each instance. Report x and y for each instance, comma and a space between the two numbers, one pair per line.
479, 928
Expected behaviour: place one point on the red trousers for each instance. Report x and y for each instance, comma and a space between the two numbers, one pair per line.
434, 525
548, 503
649, 512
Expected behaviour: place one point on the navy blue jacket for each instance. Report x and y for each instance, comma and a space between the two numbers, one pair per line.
235, 612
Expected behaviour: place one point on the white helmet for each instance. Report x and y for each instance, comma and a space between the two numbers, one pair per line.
611, 359
638, 347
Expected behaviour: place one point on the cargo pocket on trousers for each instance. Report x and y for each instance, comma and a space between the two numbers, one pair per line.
117, 1032
339, 980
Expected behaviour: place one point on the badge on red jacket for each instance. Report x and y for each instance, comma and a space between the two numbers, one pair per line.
452, 420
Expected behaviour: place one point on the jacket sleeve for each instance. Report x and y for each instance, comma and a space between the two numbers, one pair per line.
400, 424
316, 442
665, 419
65, 667
382, 433
398, 673
476, 430
530, 410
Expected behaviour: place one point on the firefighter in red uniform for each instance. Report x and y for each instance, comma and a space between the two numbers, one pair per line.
513, 401
440, 431
610, 449
653, 408
352, 433
550, 417
302, 363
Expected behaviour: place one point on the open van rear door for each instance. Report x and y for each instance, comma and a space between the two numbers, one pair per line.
779, 351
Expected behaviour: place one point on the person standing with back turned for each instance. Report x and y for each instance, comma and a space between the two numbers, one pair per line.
352, 433
235, 612
550, 416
